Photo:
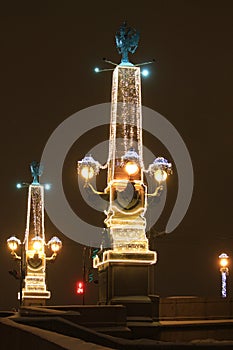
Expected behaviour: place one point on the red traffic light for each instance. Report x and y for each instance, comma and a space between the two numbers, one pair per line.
80, 288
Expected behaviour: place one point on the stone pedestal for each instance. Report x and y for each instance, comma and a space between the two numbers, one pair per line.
35, 291
127, 283
40, 301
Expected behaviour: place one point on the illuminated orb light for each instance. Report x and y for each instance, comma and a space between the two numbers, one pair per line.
160, 175
96, 69
37, 243
88, 167
47, 186
55, 244
160, 168
223, 260
131, 161
13, 243
87, 172
131, 168
19, 185
145, 72
55, 247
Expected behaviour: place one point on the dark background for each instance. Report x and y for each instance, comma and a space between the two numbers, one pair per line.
48, 52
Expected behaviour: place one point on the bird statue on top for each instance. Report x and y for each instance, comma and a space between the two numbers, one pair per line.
36, 170
126, 41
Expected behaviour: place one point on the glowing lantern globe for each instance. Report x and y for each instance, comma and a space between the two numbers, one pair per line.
55, 244
37, 243
131, 168
13, 243
88, 167
87, 172
160, 175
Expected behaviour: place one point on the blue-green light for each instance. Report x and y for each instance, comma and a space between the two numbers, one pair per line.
19, 185
47, 186
145, 72
96, 69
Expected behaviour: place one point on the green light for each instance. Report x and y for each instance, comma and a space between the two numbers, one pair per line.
90, 277
94, 252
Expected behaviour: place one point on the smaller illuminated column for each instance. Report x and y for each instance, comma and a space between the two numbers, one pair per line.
223, 262
32, 257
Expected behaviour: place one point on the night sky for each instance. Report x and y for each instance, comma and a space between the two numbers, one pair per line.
48, 52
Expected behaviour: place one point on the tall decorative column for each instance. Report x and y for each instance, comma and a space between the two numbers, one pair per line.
33, 289
35, 258
124, 267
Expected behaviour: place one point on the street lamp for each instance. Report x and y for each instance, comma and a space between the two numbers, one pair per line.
33, 254
126, 189
55, 245
223, 262
88, 168
14, 243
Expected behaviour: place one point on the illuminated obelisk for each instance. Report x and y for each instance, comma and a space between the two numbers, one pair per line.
125, 216
129, 258
124, 266
126, 186
32, 256
35, 258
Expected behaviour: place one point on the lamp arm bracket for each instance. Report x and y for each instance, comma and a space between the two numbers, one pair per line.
17, 257
157, 192
52, 257
104, 166
94, 190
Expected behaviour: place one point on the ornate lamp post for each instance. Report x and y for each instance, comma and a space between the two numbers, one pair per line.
223, 262
32, 255
123, 269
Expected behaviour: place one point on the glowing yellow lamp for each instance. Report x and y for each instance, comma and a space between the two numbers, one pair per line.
131, 168
55, 244
55, 247
223, 260
87, 172
160, 175
13, 243
37, 243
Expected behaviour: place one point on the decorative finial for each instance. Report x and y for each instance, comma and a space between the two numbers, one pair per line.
126, 41
36, 170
